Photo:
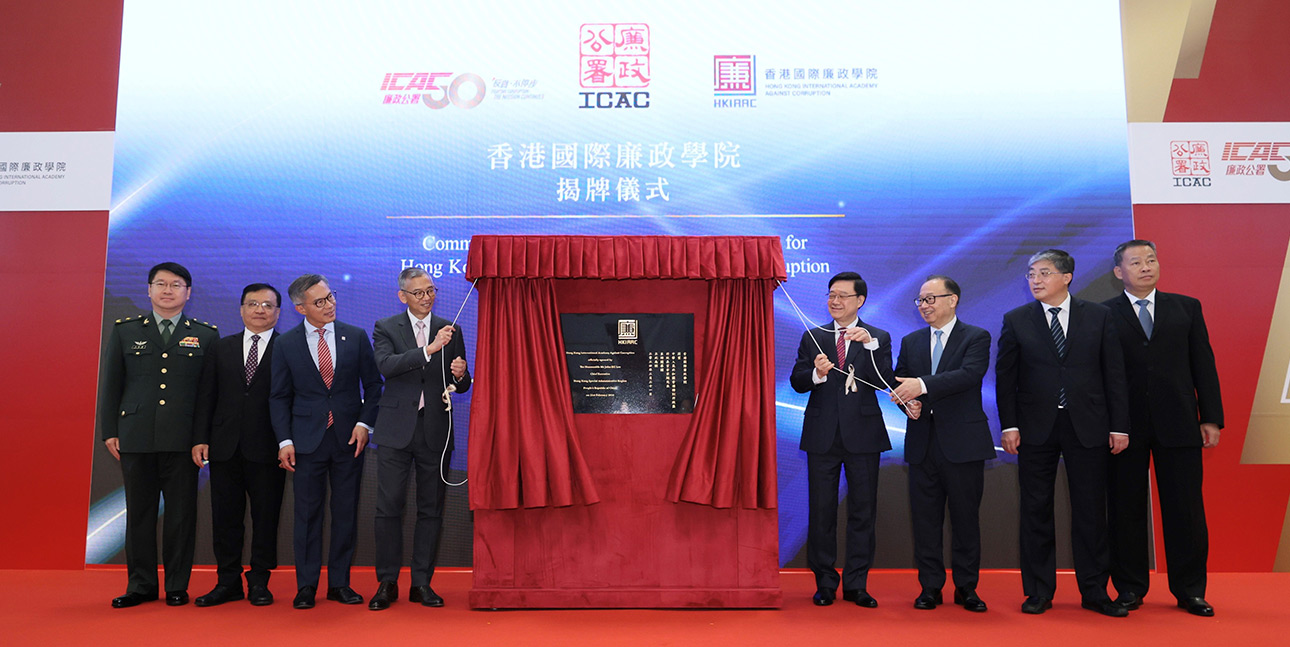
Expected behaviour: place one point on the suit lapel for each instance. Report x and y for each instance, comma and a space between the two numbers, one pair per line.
1040, 319
264, 353
408, 336
1130, 314
952, 346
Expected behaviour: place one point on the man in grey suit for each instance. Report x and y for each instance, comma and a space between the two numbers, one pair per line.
422, 357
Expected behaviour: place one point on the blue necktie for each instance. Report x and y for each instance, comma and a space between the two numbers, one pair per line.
1059, 338
1144, 317
937, 349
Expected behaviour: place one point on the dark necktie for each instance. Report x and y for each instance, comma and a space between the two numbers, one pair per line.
1144, 317
252, 358
1059, 338
165, 331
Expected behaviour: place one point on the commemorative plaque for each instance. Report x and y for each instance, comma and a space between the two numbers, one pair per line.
630, 363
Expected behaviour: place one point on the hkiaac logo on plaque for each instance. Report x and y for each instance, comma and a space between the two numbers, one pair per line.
614, 65
1268, 152
411, 88
627, 331
734, 75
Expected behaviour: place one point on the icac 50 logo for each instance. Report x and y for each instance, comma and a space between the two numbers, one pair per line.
410, 88
1263, 158
614, 65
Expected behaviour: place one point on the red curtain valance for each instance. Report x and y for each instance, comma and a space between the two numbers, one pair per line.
626, 257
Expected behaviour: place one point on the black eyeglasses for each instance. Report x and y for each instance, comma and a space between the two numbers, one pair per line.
319, 303
420, 294
176, 285
929, 299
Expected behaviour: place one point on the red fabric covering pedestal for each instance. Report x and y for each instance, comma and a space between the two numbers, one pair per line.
631, 510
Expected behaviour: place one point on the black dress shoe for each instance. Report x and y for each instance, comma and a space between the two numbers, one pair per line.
929, 599
1036, 604
344, 595
823, 597
132, 600
969, 600
1129, 601
304, 598
386, 594
259, 595
219, 595
425, 595
1106, 608
1196, 606
863, 599
176, 598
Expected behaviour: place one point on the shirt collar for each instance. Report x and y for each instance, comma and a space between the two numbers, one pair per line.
1151, 298
414, 320
264, 336
173, 320
853, 324
1064, 305
947, 328
313, 330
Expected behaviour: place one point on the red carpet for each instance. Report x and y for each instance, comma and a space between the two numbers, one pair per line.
73, 608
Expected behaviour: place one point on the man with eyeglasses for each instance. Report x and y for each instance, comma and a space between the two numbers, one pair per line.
323, 401
842, 427
1177, 413
422, 356
147, 397
235, 435
948, 444
1062, 396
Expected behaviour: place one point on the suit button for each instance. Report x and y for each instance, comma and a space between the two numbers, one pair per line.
163, 387
165, 355
162, 403
163, 370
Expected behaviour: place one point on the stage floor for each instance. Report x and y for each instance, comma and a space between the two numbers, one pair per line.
73, 608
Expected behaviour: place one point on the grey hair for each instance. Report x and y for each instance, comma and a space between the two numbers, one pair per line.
1058, 257
296, 291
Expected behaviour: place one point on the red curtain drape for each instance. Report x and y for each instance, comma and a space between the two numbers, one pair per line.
524, 451
728, 456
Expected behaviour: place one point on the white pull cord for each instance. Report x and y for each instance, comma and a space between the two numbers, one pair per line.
852, 378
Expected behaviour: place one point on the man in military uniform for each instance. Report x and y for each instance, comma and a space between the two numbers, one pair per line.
147, 395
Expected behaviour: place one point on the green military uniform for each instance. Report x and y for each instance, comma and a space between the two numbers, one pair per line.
147, 396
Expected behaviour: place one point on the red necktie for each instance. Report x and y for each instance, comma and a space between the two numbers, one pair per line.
324, 364
842, 348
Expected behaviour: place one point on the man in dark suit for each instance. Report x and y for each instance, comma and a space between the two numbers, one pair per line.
422, 357
1061, 395
323, 402
1176, 411
843, 427
147, 395
946, 446
235, 435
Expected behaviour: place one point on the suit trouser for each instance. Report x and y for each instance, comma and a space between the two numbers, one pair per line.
424, 453
823, 471
332, 463
147, 477
932, 483
233, 482
1179, 475
1086, 474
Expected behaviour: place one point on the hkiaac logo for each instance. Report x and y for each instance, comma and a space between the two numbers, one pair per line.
1257, 151
627, 331
734, 75
423, 87
614, 65
1190, 162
